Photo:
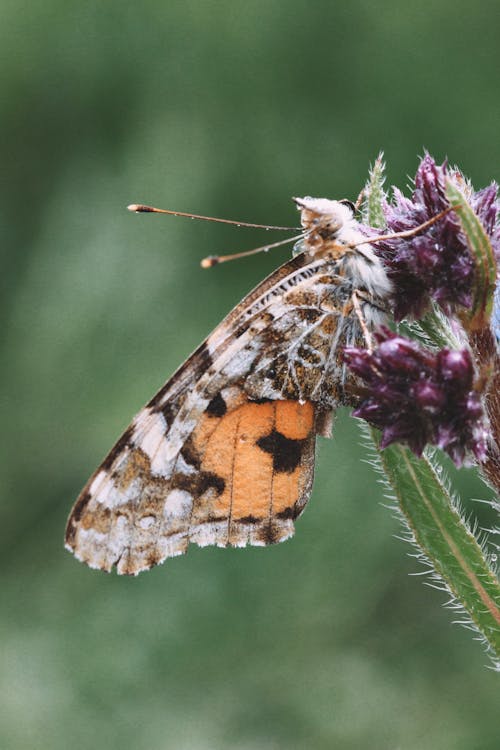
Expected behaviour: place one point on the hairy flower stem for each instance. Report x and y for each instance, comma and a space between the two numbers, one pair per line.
484, 347
447, 544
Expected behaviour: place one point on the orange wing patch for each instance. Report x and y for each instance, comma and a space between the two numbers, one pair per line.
258, 464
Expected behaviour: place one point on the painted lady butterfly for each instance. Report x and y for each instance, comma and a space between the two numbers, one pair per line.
224, 453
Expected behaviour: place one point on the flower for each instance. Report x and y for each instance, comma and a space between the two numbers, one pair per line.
418, 397
436, 263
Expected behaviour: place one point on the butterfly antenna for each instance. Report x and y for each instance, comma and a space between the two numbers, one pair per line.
407, 232
139, 208
214, 260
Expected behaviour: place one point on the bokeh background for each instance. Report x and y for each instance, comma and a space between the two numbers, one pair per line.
225, 108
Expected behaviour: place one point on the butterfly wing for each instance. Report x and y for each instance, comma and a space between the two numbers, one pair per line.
224, 452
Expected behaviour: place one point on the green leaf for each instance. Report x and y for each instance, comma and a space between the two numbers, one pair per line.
441, 534
484, 259
433, 330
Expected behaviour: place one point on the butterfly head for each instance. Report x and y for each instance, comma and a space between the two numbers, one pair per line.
328, 226
331, 230
323, 216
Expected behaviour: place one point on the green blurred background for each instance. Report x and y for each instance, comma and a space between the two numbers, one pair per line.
223, 108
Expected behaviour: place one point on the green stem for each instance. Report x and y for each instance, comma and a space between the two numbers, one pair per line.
444, 538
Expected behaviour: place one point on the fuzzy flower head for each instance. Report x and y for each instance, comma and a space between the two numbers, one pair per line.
417, 397
436, 263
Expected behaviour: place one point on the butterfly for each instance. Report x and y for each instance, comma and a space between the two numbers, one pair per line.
224, 453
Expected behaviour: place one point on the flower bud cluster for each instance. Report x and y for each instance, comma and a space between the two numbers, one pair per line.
436, 263
417, 397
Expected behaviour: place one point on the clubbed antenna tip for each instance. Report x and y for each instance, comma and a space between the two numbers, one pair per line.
138, 208
210, 261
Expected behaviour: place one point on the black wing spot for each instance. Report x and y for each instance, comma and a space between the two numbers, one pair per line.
198, 484
207, 480
217, 406
190, 454
168, 410
287, 513
286, 453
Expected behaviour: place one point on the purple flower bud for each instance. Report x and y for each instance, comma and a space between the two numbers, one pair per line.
419, 397
456, 365
437, 263
428, 396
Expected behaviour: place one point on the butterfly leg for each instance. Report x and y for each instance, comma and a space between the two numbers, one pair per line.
356, 297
